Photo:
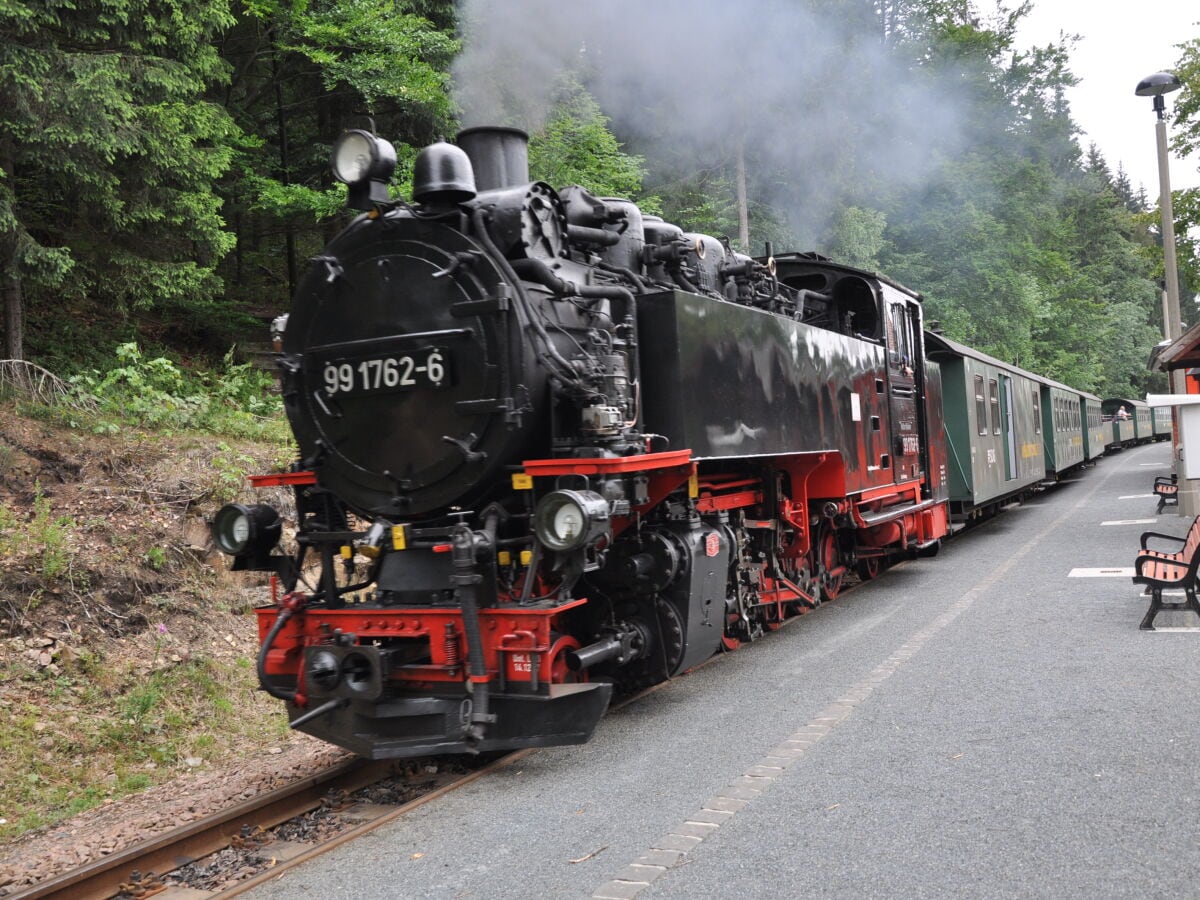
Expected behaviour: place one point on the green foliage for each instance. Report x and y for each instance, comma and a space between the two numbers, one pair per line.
142, 728
704, 202
1185, 105
42, 536
237, 400
231, 468
1186, 206
304, 72
111, 151
575, 146
138, 137
859, 237
51, 534
1026, 248
156, 559
1185, 115
376, 48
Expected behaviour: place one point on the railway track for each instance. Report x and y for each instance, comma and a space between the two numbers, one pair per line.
234, 849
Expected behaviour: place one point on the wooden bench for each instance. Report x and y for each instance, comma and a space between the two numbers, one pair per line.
1167, 489
1161, 572
1185, 546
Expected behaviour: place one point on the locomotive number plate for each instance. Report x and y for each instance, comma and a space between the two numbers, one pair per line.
428, 368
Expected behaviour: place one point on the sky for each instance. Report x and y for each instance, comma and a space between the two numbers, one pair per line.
1119, 45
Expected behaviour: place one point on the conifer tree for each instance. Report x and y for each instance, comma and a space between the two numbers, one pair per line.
108, 154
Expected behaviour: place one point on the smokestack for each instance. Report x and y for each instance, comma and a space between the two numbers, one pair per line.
499, 156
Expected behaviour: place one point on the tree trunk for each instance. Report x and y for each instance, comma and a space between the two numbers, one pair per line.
284, 166
10, 279
743, 204
14, 311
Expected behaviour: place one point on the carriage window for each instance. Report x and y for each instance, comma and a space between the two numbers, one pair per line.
1037, 411
980, 406
994, 399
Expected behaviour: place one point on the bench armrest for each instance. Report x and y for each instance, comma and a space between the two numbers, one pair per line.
1146, 535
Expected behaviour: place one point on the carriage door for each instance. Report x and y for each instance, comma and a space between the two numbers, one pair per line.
1010, 429
902, 399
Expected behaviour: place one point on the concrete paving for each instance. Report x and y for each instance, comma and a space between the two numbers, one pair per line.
982, 724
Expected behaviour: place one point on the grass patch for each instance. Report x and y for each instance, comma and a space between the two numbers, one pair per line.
41, 537
92, 734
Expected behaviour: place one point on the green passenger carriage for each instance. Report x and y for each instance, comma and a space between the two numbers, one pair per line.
1096, 430
1161, 416
1063, 418
993, 428
1131, 422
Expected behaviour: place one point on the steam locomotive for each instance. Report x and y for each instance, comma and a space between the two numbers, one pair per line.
553, 448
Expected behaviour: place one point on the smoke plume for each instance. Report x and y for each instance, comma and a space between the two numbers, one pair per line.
807, 86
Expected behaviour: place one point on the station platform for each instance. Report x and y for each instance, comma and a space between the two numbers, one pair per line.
986, 723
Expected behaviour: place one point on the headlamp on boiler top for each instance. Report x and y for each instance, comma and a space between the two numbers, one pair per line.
365, 163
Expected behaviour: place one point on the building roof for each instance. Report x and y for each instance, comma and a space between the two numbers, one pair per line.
1182, 353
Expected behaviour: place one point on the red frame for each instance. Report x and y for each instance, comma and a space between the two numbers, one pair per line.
525, 639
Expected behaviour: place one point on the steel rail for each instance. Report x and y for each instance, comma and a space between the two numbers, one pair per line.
375, 822
177, 847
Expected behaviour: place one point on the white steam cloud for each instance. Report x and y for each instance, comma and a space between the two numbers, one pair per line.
813, 93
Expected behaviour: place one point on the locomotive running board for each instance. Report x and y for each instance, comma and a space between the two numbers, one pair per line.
895, 512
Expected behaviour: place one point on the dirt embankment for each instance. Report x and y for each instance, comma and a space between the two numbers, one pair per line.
102, 535
126, 646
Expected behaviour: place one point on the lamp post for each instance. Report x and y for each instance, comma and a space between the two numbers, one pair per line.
1157, 85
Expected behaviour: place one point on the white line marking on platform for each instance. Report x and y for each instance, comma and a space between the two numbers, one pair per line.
1130, 522
1135, 497
1154, 465
1114, 572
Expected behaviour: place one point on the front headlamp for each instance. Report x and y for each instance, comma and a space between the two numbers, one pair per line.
568, 520
246, 530
364, 162
359, 154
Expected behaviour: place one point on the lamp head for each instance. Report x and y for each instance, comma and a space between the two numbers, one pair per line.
1158, 84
